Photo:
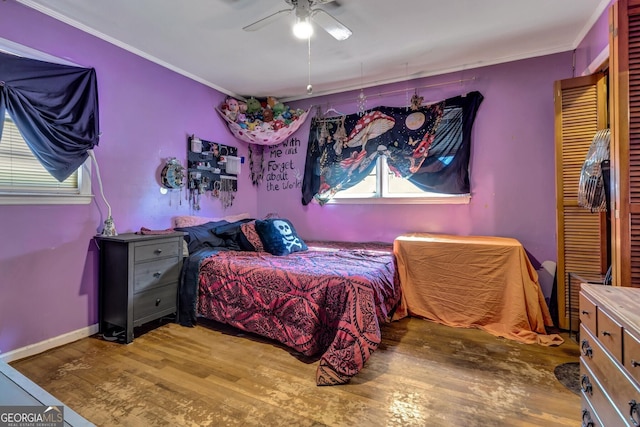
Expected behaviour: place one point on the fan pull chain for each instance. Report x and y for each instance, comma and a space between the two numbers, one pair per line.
309, 87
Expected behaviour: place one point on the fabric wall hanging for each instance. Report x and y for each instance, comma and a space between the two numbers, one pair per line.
430, 146
55, 108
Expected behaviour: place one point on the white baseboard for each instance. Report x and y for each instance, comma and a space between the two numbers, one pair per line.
30, 350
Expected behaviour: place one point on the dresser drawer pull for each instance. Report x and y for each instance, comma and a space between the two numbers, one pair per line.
585, 312
585, 385
635, 363
586, 419
157, 251
157, 274
158, 301
586, 349
634, 412
606, 333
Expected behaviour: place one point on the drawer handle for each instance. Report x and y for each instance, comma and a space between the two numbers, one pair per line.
634, 413
585, 312
157, 274
635, 363
586, 349
606, 333
585, 385
158, 251
586, 419
158, 301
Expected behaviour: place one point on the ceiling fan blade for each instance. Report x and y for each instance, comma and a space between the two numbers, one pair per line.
266, 20
319, 2
330, 24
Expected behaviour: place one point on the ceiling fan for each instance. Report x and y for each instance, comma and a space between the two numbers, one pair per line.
306, 11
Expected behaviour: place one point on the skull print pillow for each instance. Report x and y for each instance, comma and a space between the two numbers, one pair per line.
279, 237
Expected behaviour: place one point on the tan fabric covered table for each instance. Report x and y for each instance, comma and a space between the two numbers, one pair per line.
473, 282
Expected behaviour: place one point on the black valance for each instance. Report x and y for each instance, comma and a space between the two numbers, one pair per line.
54, 106
429, 146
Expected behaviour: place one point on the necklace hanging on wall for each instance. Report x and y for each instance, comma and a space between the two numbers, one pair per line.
256, 163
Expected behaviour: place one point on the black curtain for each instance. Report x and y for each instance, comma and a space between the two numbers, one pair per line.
54, 106
430, 146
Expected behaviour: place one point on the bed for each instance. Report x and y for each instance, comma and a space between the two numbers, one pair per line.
323, 299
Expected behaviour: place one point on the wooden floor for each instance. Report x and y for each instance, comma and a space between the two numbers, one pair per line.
423, 374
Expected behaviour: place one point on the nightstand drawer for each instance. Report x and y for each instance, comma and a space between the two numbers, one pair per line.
156, 273
157, 249
154, 303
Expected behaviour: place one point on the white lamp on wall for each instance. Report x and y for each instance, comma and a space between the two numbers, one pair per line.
109, 227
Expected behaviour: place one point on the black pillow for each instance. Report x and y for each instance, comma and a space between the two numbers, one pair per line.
202, 236
279, 237
233, 236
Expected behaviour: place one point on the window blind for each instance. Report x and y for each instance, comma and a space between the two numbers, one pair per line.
20, 171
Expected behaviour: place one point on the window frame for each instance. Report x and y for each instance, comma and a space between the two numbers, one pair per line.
83, 193
382, 197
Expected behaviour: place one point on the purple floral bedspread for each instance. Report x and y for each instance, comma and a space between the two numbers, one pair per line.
328, 301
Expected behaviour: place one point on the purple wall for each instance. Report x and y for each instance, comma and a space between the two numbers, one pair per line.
512, 164
48, 263
593, 43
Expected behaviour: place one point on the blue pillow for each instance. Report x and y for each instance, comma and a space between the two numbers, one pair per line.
279, 237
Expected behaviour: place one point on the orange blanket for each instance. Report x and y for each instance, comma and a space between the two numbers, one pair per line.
473, 282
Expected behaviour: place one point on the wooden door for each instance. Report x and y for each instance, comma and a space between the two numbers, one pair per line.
624, 47
580, 111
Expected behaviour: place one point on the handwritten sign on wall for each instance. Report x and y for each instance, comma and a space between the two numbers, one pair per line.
281, 172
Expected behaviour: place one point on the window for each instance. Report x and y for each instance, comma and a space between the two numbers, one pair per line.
23, 180
430, 146
387, 188
383, 186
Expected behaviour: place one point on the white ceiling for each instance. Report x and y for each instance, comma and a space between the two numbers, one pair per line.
391, 41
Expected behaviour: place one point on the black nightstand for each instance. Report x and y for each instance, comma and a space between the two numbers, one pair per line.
139, 276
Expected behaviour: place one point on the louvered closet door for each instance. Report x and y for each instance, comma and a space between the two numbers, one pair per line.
580, 107
625, 150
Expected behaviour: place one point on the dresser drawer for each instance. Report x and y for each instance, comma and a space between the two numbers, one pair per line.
156, 249
620, 389
151, 274
610, 334
594, 393
589, 415
588, 313
154, 303
631, 356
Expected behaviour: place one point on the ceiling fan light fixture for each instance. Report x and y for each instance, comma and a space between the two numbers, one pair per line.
303, 29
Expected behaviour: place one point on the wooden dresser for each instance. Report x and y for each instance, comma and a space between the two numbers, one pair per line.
139, 276
610, 355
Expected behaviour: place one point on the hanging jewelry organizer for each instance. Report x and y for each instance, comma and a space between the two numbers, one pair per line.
212, 167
